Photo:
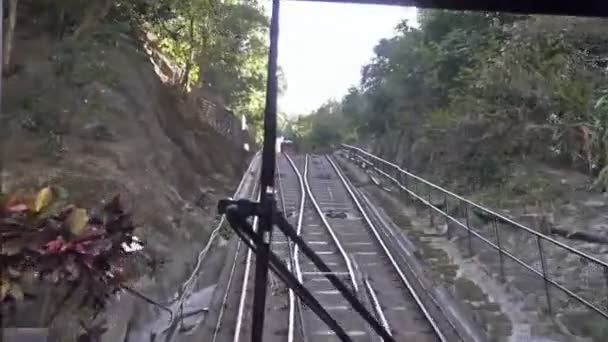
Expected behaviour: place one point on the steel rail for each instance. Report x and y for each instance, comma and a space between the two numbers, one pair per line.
246, 232
347, 293
218, 325
493, 245
291, 318
186, 288
246, 276
296, 251
241, 311
253, 240
403, 250
377, 307
328, 227
230, 278
389, 255
475, 205
280, 221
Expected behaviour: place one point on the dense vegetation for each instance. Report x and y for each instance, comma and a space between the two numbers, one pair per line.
220, 45
46, 243
475, 92
78, 84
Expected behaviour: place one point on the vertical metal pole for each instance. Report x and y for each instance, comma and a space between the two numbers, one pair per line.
267, 200
428, 198
500, 256
544, 269
466, 213
446, 210
405, 184
402, 189
2, 123
414, 199
606, 278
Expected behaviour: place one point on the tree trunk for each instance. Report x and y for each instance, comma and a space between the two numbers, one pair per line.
203, 57
186, 76
10, 33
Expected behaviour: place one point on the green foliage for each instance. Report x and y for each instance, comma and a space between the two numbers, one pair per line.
80, 69
37, 114
221, 45
82, 61
321, 130
48, 243
482, 90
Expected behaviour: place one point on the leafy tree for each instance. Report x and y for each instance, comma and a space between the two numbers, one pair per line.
479, 90
220, 45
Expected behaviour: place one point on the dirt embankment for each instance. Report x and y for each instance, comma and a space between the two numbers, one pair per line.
92, 117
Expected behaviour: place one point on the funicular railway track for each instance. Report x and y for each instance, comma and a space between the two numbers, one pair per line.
280, 308
318, 201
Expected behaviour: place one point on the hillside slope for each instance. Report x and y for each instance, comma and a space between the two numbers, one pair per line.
91, 116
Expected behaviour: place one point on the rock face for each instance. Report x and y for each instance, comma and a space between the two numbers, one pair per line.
105, 123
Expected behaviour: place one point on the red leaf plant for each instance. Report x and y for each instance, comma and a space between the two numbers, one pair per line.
70, 246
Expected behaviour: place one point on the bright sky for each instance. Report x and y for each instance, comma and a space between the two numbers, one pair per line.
322, 47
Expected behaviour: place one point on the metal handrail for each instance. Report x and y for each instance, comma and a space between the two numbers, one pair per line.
489, 211
495, 216
406, 282
242, 301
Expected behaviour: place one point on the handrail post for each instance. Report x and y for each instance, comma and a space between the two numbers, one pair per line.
500, 254
428, 198
544, 271
403, 194
446, 211
414, 199
403, 181
606, 278
461, 206
470, 233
